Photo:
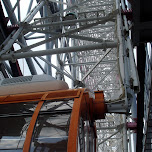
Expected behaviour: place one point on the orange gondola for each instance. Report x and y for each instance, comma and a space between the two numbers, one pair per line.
52, 120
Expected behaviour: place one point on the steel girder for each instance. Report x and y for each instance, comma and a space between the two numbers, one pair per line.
77, 33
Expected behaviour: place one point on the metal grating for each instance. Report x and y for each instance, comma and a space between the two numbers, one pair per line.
92, 23
9, 81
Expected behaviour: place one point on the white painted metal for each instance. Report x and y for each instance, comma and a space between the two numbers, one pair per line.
88, 43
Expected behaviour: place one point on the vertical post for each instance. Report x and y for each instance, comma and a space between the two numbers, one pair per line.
58, 75
123, 59
134, 115
125, 139
130, 145
49, 45
19, 12
73, 70
141, 58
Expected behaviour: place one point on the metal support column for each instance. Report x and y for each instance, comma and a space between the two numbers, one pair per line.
141, 57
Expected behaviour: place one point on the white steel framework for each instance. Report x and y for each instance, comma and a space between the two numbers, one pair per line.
87, 44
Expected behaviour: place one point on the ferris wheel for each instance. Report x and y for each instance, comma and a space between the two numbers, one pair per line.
49, 44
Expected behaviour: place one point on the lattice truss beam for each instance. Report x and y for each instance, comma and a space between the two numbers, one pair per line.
91, 46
